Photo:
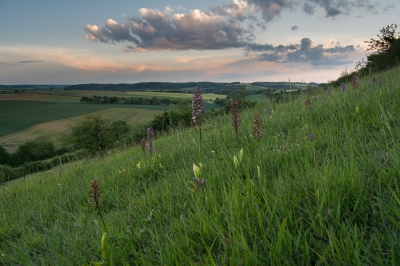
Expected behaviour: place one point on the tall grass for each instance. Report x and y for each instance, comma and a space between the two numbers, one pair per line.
326, 192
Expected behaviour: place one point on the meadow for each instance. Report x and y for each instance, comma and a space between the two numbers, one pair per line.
314, 181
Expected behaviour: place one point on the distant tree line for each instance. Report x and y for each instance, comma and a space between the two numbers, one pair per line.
30, 86
153, 86
183, 87
123, 100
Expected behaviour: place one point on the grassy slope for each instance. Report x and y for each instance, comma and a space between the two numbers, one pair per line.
329, 201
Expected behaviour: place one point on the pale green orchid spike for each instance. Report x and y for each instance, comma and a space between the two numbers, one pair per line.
235, 162
196, 170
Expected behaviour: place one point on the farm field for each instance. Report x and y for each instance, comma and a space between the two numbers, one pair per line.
80, 93
257, 97
54, 129
28, 115
168, 95
20, 115
36, 97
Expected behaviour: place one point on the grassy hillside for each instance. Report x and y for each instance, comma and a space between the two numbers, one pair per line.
321, 187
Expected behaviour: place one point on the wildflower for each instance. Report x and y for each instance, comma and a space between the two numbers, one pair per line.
312, 136
343, 87
138, 165
95, 194
150, 138
235, 162
196, 171
240, 155
258, 127
380, 83
374, 79
197, 106
308, 103
235, 117
198, 113
354, 82
265, 111
199, 182
235, 114
143, 145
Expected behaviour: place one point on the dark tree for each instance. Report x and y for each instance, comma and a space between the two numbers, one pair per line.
95, 134
4, 156
386, 39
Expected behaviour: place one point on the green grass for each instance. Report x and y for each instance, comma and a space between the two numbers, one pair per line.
332, 200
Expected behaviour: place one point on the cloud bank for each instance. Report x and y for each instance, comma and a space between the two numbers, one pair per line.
227, 27
156, 30
30, 61
302, 53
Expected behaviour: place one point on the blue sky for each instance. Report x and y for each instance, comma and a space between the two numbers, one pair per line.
69, 42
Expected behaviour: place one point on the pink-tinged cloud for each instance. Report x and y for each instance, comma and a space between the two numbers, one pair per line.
156, 30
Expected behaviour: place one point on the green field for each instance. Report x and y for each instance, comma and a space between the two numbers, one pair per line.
20, 115
55, 128
25, 116
79, 93
257, 97
168, 95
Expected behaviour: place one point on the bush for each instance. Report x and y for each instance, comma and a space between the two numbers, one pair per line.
35, 150
8, 173
4, 156
95, 134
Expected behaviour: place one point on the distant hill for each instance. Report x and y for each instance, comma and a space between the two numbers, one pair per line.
187, 86
33, 86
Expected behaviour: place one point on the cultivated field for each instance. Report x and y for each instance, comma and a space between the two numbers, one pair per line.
26, 116
168, 95
257, 97
54, 129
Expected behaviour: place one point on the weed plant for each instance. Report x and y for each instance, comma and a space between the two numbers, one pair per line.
325, 192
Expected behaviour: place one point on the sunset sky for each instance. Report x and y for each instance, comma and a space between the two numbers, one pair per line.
71, 42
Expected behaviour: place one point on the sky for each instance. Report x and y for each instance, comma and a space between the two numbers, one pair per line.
130, 41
